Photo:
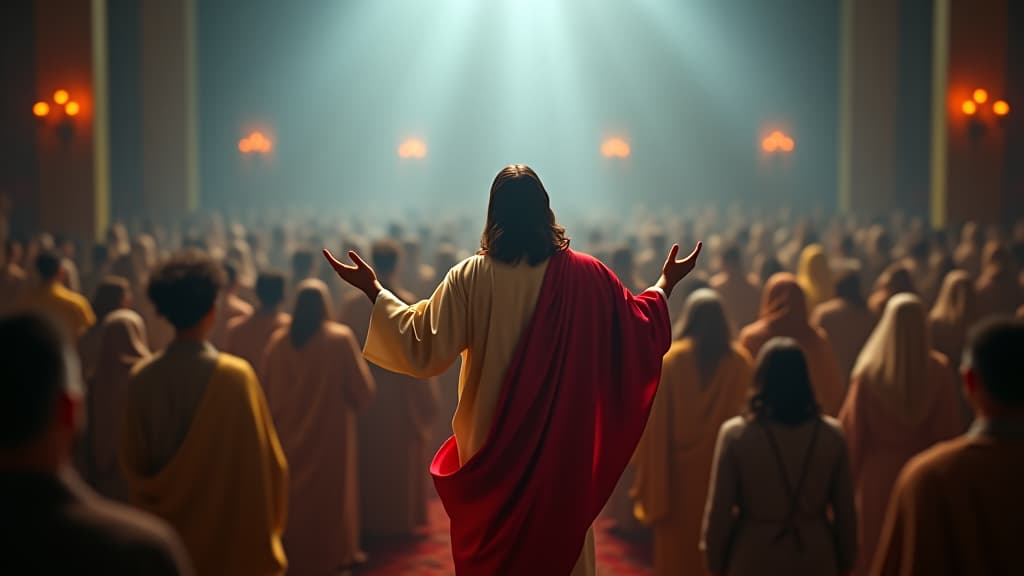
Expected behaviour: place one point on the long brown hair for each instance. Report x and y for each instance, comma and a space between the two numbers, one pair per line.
705, 322
520, 223
312, 309
782, 389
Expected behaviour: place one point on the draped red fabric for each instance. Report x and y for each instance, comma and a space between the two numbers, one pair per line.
574, 403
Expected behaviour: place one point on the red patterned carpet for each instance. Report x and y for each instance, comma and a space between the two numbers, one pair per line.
430, 553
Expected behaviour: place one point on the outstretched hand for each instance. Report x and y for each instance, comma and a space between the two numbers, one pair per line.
359, 275
675, 270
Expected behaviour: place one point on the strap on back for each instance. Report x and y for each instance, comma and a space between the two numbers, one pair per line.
789, 524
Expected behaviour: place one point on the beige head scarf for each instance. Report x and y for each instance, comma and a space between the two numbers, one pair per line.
955, 303
894, 361
122, 345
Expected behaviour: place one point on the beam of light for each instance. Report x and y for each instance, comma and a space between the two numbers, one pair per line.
72, 108
969, 107
61, 96
1000, 108
40, 109
980, 95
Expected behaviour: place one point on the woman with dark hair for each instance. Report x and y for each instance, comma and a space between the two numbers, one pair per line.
902, 399
704, 382
846, 322
559, 367
316, 382
784, 467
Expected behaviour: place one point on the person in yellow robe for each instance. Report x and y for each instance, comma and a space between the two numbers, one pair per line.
704, 382
957, 507
815, 276
199, 448
72, 310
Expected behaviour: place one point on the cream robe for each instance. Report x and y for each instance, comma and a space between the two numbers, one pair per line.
314, 393
479, 311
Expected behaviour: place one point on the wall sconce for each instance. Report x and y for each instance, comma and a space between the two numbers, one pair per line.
978, 117
62, 102
616, 148
255, 143
778, 142
412, 148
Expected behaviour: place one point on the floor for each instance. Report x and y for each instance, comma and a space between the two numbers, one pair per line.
429, 554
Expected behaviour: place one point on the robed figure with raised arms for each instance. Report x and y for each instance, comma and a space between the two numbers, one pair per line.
560, 364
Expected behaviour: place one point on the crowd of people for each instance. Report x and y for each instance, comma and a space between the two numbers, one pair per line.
811, 416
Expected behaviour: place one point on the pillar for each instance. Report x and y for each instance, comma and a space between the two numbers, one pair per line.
169, 142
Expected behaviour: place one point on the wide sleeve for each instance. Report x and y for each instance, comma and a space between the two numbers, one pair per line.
650, 491
915, 539
358, 380
421, 340
844, 512
723, 496
275, 478
851, 417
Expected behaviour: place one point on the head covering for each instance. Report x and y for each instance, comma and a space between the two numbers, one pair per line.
784, 313
705, 323
312, 310
894, 362
814, 275
955, 303
783, 306
122, 345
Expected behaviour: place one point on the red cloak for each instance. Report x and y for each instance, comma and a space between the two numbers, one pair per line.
574, 403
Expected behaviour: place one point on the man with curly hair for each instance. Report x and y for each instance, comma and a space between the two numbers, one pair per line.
199, 448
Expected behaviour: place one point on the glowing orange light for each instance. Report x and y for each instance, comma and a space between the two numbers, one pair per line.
969, 107
72, 108
778, 141
255, 143
980, 95
412, 148
1000, 108
61, 96
40, 109
615, 148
